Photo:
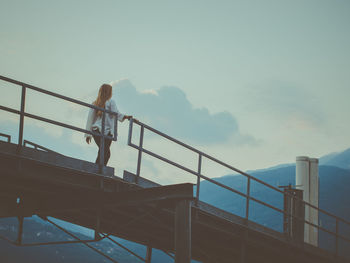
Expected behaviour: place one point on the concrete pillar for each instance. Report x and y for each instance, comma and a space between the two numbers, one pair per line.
307, 180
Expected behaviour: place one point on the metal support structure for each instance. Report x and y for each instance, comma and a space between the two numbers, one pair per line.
102, 145
20, 230
83, 242
198, 178
130, 131
291, 216
77, 240
183, 232
39, 147
139, 155
21, 119
294, 212
247, 200
98, 224
6, 136
123, 247
148, 254
243, 247
115, 128
336, 237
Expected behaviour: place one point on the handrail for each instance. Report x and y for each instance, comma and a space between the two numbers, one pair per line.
219, 162
37, 146
248, 197
56, 95
6, 136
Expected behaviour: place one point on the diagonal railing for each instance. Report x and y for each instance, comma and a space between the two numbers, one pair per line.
141, 149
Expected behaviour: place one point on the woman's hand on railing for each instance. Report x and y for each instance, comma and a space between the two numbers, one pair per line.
127, 117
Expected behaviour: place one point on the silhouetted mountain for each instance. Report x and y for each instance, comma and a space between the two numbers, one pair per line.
337, 159
341, 159
334, 197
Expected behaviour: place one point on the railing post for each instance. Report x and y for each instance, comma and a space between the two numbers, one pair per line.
102, 143
198, 178
336, 237
21, 119
20, 230
183, 232
115, 127
247, 200
130, 131
148, 255
140, 155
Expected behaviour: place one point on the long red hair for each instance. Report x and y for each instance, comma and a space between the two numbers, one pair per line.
104, 94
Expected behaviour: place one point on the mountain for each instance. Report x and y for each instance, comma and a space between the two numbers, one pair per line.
334, 197
341, 159
337, 159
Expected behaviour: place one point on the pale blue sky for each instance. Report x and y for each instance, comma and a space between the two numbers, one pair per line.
278, 69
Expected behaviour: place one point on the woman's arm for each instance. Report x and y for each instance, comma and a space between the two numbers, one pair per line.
121, 116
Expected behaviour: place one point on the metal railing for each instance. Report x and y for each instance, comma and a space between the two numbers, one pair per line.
141, 150
38, 147
8, 137
247, 195
22, 113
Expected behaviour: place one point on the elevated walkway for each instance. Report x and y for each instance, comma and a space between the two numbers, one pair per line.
171, 218
35, 182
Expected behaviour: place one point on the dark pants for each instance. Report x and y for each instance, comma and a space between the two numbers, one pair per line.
107, 151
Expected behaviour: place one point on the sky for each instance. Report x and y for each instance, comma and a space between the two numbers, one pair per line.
252, 83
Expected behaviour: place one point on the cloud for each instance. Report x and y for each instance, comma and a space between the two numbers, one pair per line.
169, 110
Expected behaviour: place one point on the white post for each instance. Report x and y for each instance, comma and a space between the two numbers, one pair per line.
307, 180
302, 182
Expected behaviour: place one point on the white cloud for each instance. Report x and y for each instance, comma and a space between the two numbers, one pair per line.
169, 110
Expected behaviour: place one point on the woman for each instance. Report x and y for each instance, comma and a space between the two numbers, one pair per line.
94, 121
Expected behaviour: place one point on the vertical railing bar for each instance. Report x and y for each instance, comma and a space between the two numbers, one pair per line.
115, 128
102, 143
336, 237
148, 254
247, 200
20, 230
198, 178
21, 119
139, 155
130, 131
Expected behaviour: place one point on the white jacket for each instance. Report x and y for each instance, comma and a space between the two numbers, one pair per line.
95, 122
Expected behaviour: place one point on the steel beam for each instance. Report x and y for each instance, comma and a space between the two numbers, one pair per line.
243, 247
20, 230
149, 254
183, 232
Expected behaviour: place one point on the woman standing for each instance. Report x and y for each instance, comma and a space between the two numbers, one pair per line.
94, 121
